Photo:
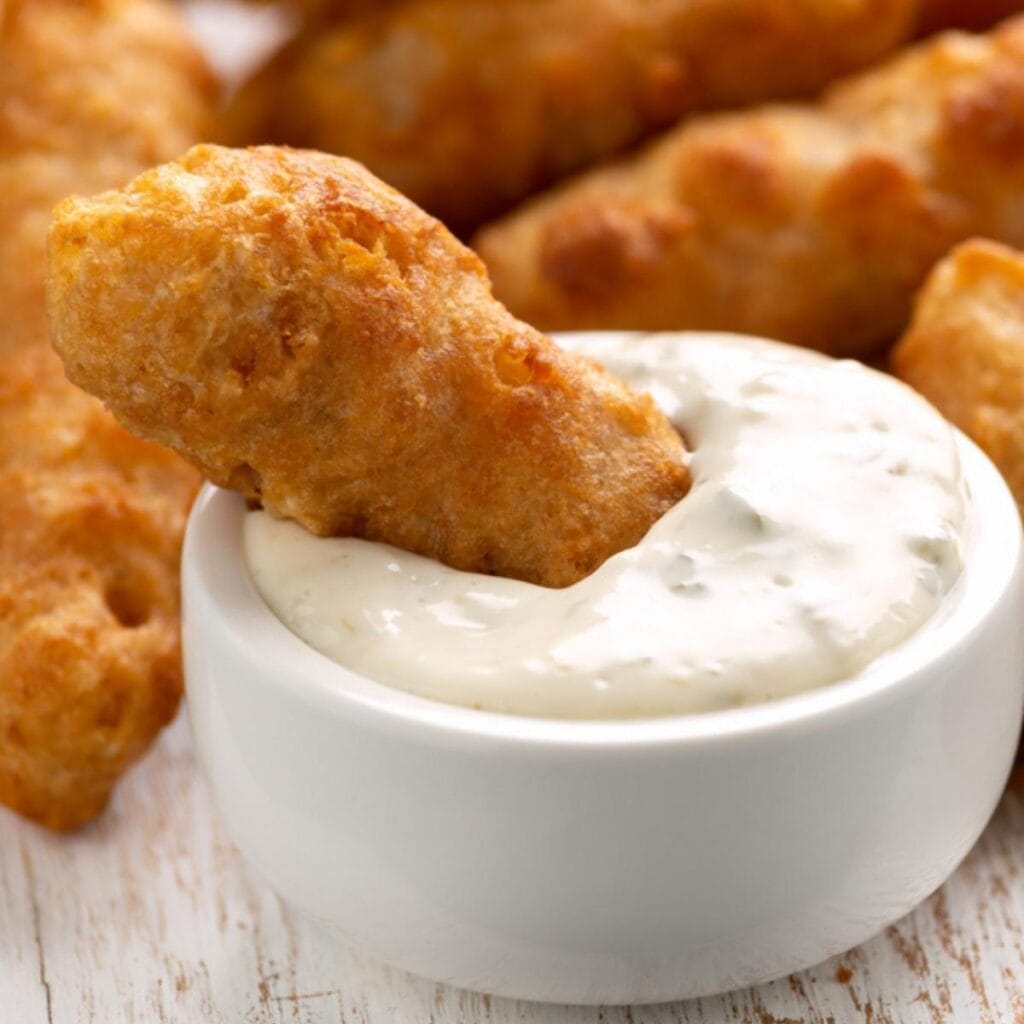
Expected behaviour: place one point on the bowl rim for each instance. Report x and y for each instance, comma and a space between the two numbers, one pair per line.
215, 576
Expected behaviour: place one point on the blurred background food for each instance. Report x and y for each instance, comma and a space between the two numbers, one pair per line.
91, 92
468, 106
964, 350
595, 149
811, 223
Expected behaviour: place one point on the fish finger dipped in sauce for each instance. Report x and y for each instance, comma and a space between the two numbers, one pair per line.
306, 335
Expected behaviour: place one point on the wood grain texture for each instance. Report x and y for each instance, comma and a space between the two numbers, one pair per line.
149, 915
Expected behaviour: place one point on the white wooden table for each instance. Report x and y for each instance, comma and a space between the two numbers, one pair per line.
149, 915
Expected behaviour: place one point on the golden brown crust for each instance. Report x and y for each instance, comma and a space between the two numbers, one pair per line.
91, 92
127, 69
467, 107
811, 223
964, 350
306, 335
89, 660
91, 519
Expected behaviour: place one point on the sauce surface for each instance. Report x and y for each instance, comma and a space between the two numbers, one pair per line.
826, 522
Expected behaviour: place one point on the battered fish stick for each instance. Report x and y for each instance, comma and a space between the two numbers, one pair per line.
810, 223
468, 106
91, 519
306, 335
964, 350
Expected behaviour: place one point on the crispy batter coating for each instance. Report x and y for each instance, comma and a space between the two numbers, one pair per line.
306, 335
91, 519
810, 223
91, 92
964, 350
89, 661
468, 106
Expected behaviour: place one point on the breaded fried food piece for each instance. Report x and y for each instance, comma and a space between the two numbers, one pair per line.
964, 350
468, 106
306, 335
91, 93
814, 224
92, 520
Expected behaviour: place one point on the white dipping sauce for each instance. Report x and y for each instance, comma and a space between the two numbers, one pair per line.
826, 521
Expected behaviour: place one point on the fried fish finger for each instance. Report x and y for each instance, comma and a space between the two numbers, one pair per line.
814, 224
964, 350
467, 107
91, 518
306, 335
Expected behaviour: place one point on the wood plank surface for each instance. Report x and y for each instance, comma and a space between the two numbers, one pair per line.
149, 915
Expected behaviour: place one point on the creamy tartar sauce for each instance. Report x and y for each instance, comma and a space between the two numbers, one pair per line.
826, 522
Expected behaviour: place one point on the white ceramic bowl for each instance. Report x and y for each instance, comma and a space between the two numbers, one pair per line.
592, 862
